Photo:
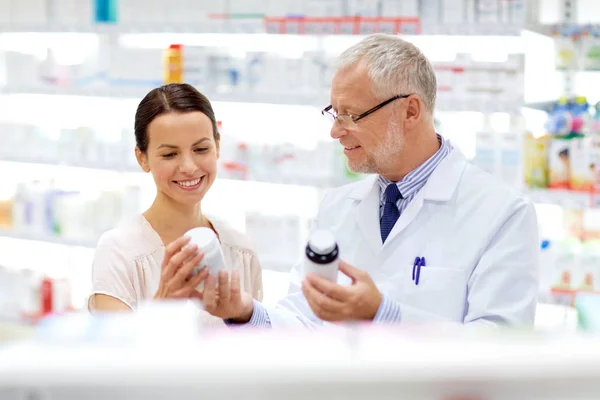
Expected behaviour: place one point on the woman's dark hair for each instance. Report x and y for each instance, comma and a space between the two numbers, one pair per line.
174, 97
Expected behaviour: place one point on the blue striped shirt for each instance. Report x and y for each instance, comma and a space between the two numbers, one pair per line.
409, 186
389, 311
414, 181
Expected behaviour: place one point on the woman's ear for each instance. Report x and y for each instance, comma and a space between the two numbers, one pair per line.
218, 146
142, 159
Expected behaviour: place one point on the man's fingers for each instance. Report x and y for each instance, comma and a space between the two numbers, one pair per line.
351, 272
317, 308
332, 290
321, 301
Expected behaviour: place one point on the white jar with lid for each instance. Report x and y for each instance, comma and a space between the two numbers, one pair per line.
208, 243
321, 255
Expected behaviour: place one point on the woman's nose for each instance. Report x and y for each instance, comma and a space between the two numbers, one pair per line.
188, 165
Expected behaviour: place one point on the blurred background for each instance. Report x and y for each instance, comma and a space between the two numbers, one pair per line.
518, 94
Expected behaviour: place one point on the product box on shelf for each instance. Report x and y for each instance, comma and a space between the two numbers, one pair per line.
26, 296
570, 266
587, 305
584, 155
511, 155
535, 161
559, 164
6, 218
567, 47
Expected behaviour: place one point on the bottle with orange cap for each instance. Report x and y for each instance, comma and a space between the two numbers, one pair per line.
174, 64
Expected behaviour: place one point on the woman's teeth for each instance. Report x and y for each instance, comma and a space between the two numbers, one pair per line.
189, 183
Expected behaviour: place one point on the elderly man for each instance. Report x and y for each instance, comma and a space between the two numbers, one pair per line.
427, 237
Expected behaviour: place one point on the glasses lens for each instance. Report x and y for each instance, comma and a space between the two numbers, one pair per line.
346, 121
330, 117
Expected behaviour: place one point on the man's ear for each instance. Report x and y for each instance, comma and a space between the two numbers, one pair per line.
142, 159
414, 111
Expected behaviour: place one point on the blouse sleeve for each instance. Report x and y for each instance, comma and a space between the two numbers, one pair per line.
112, 272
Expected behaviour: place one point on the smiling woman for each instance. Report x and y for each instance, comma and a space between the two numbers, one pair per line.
177, 141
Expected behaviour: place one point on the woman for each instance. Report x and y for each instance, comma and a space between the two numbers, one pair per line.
147, 258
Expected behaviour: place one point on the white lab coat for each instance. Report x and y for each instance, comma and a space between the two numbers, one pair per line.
478, 236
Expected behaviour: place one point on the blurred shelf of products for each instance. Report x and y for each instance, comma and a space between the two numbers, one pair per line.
288, 16
70, 83
464, 83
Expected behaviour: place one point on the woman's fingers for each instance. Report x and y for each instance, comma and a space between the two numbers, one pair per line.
184, 271
224, 291
196, 280
174, 247
235, 289
176, 261
210, 297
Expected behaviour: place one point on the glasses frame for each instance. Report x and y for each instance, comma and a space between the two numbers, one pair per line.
351, 120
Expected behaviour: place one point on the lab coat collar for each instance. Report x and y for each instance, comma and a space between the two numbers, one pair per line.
439, 187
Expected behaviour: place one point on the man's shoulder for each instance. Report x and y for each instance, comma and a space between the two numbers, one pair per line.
353, 190
491, 190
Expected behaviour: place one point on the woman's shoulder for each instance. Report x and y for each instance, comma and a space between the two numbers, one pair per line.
233, 238
131, 239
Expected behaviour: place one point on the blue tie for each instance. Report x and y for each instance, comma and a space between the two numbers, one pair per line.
390, 210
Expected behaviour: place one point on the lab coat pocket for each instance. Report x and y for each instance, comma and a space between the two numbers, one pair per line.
441, 291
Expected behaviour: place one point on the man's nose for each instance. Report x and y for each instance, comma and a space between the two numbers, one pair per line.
337, 131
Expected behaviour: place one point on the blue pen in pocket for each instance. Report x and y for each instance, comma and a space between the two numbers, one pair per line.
415, 265
421, 264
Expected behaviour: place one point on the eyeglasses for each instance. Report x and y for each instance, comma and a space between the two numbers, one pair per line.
348, 121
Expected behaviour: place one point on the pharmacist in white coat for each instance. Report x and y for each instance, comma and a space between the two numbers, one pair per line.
428, 237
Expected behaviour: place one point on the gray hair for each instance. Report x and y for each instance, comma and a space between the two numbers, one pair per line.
395, 66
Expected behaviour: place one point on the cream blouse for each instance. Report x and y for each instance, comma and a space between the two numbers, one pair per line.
127, 262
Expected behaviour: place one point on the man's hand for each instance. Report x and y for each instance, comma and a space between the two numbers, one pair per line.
332, 302
226, 301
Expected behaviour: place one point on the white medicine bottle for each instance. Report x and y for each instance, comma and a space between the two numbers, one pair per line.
208, 243
321, 255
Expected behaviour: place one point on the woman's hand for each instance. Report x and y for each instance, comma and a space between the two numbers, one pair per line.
176, 269
226, 301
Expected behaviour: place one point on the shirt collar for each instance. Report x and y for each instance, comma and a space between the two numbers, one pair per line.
416, 179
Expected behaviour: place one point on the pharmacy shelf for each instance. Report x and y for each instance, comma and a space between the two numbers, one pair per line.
470, 29
71, 164
46, 238
283, 182
317, 100
564, 198
138, 92
238, 26
259, 26
556, 29
545, 106
269, 263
